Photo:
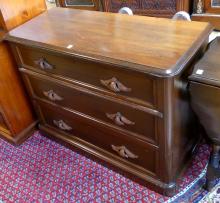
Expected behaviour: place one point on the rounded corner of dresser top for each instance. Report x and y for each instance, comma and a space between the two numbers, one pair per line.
169, 72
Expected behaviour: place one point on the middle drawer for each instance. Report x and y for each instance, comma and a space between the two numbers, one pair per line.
109, 111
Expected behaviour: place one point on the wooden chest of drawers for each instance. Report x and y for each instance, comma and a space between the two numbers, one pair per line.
117, 94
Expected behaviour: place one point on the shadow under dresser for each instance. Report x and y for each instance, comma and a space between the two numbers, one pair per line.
114, 86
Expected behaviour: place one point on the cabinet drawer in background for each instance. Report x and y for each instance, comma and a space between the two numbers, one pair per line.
119, 82
122, 116
126, 148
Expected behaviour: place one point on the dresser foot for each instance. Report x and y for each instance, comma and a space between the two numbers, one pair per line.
213, 171
170, 190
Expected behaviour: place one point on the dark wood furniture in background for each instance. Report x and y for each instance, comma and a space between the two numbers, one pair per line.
207, 11
114, 86
205, 99
16, 118
80, 4
157, 8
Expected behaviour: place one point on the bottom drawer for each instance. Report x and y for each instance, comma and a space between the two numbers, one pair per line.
123, 147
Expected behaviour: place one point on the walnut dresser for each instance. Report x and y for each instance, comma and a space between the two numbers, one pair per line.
114, 86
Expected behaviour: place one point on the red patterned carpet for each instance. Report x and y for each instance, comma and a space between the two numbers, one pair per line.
42, 170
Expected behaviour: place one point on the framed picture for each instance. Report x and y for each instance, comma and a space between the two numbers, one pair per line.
212, 6
79, 4
215, 3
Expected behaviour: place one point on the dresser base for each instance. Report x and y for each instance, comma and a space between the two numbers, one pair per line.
88, 149
20, 137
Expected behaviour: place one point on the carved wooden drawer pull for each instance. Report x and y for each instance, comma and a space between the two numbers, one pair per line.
119, 119
124, 152
52, 95
43, 64
114, 85
62, 125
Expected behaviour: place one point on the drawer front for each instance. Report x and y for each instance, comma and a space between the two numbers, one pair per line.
119, 82
123, 147
107, 110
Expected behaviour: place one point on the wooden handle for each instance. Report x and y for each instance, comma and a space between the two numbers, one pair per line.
115, 85
52, 95
124, 152
43, 64
62, 125
119, 119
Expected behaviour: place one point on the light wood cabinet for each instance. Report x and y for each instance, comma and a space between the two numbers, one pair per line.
16, 117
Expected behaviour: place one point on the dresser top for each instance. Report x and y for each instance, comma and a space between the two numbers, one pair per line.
153, 45
207, 70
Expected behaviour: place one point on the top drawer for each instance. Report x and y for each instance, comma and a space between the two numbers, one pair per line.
126, 84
